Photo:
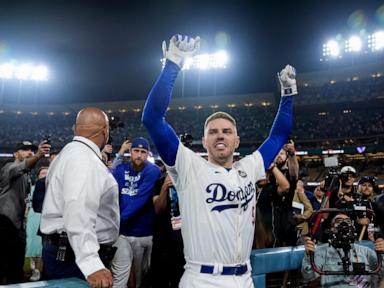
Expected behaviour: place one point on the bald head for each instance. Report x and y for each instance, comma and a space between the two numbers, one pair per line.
92, 123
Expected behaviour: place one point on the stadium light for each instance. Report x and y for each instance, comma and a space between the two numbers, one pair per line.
376, 41
40, 73
188, 63
218, 60
202, 62
331, 48
23, 72
6, 71
353, 44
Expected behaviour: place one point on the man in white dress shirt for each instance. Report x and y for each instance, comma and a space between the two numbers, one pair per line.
80, 216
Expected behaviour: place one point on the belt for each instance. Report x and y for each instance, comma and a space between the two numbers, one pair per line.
52, 238
106, 252
55, 237
227, 270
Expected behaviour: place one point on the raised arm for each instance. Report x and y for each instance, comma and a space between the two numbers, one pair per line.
153, 118
282, 125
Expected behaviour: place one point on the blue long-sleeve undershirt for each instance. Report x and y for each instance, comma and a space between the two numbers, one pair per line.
162, 134
280, 131
165, 138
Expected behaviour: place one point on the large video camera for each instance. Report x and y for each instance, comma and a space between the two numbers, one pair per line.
342, 236
114, 123
332, 180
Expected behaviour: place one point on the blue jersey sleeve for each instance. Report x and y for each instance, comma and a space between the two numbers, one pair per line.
280, 131
153, 118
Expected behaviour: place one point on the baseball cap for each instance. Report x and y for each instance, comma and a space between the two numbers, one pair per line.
348, 170
24, 145
369, 179
140, 142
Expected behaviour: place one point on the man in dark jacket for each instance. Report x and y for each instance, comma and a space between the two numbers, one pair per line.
14, 188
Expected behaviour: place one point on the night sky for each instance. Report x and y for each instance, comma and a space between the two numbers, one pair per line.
103, 51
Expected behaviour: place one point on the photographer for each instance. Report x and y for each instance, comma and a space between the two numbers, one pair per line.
284, 222
346, 192
15, 184
341, 255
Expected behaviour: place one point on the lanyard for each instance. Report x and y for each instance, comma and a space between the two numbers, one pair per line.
98, 157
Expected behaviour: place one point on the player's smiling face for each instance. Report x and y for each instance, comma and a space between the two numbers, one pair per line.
220, 139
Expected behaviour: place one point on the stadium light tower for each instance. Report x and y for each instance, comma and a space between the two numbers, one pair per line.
376, 41
202, 62
6, 71
23, 72
218, 60
353, 44
331, 48
40, 73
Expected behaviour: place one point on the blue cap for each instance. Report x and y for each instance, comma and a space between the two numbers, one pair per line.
141, 143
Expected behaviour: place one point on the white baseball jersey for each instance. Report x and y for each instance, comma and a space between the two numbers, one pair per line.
217, 207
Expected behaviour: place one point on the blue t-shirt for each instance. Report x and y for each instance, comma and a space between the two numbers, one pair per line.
137, 214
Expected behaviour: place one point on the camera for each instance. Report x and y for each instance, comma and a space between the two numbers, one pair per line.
343, 235
47, 139
114, 122
332, 180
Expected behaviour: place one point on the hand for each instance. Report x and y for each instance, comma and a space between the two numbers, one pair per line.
125, 147
287, 79
43, 149
379, 245
100, 279
300, 187
107, 149
180, 48
290, 148
309, 245
104, 157
167, 182
347, 198
299, 218
363, 221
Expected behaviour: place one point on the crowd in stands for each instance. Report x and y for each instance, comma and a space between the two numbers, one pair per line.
349, 90
255, 123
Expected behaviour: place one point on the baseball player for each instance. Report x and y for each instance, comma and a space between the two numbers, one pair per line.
217, 197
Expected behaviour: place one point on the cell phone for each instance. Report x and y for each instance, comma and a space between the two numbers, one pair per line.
128, 139
47, 140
